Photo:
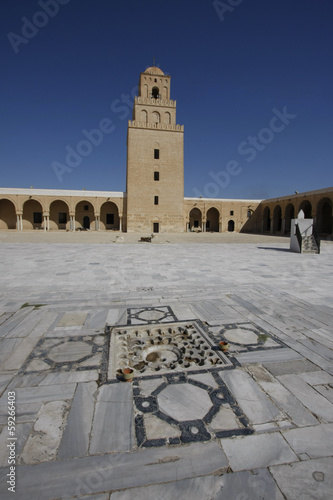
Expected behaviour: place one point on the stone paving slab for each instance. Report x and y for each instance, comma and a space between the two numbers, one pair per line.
309, 480
96, 474
241, 485
252, 400
252, 452
308, 396
315, 442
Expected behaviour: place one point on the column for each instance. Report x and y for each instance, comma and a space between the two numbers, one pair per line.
45, 222
21, 222
18, 222
120, 222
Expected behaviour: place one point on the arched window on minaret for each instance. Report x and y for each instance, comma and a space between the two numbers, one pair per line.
165, 93
156, 117
167, 118
155, 93
145, 91
144, 116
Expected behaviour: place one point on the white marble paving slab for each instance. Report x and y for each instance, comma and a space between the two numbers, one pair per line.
253, 401
75, 439
315, 441
237, 486
309, 480
308, 396
267, 356
283, 398
46, 393
252, 452
97, 474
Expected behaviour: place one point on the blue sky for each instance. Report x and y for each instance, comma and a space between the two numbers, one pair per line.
236, 67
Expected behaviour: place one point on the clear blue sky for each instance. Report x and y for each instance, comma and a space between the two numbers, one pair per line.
229, 71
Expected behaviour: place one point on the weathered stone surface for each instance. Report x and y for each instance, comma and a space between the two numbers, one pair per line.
315, 441
113, 420
72, 319
283, 398
156, 428
85, 476
288, 367
43, 443
46, 393
253, 452
255, 404
70, 351
237, 486
75, 439
22, 432
308, 396
184, 402
308, 480
225, 420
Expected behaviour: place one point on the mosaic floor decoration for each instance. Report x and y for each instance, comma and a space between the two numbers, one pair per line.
68, 354
184, 408
150, 315
244, 337
161, 348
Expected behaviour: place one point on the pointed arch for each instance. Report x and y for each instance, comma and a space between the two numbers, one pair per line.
195, 218
213, 220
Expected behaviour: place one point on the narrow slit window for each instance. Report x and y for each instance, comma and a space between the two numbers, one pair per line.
156, 154
156, 176
155, 200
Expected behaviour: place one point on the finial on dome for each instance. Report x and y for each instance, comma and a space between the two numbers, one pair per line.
154, 61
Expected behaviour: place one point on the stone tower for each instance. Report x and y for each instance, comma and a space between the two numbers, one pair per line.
155, 159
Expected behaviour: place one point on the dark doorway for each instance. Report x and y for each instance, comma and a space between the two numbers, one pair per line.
231, 226
86, 222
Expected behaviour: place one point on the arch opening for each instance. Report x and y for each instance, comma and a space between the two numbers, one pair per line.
213, 220
7, 214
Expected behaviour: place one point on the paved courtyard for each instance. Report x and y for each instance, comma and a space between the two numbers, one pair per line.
255, 422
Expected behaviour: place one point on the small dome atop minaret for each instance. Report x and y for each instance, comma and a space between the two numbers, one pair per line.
154, 70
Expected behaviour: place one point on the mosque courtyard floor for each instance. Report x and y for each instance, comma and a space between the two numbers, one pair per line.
254, 422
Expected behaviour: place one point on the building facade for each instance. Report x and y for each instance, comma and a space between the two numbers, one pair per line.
154, 199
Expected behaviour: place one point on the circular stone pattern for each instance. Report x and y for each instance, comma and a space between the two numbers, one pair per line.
184, 402
151, 315
240, 336
70, 351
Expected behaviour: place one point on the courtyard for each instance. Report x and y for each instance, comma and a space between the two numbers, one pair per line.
253, 422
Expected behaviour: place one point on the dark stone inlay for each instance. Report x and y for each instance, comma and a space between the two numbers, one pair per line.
194, 430
146, 405
162, 314
150, 443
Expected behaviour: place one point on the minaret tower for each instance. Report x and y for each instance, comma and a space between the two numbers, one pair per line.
155, 159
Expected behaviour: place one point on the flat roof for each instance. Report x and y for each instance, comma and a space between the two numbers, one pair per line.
63, 192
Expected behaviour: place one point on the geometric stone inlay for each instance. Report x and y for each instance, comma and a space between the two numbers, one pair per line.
145, 315
160, 348
71, 351
241, 336
184, 402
